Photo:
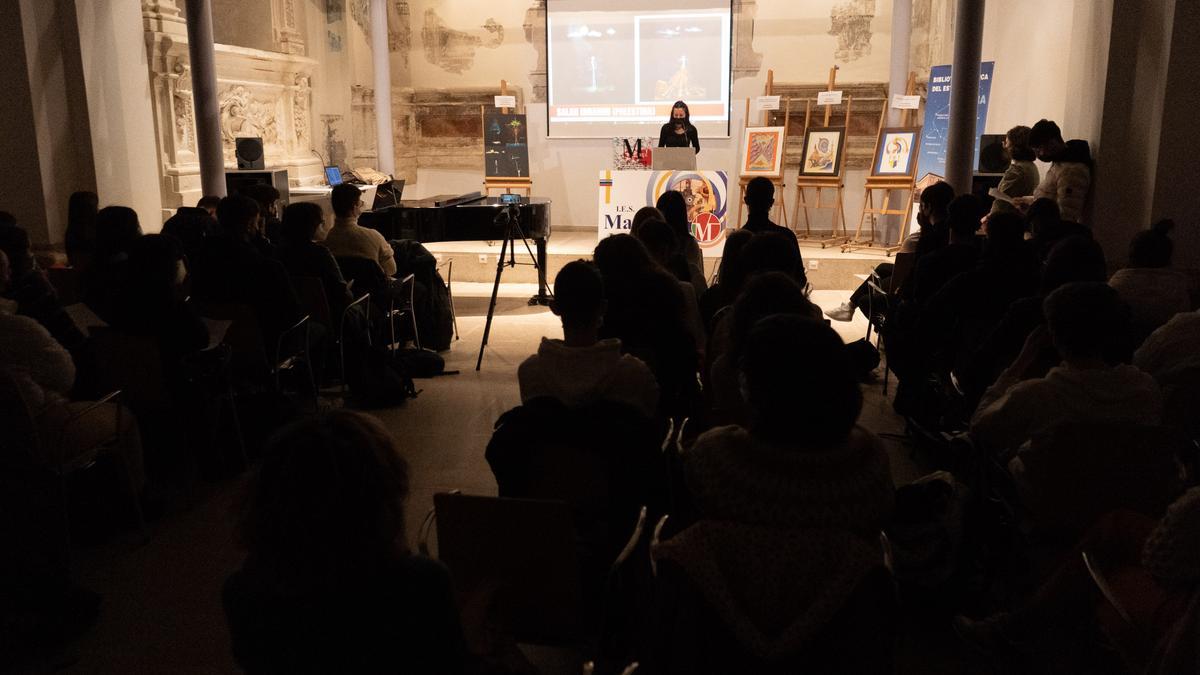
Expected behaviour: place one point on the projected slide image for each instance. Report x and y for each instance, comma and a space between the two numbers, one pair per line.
595, 59
681, 58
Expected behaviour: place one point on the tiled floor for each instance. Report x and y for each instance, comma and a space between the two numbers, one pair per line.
162, 611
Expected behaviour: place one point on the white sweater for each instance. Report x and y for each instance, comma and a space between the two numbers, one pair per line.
42, 367
1174, 345
581, 375
1012, 412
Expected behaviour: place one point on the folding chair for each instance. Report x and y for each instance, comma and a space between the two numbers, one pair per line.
400, 304
449, 267
363, 303
877, 317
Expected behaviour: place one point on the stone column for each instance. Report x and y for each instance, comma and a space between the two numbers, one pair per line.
964, 95
898, 72
204, 98
381, 60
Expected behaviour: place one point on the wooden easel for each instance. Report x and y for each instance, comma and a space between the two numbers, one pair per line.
507, 185
821, 183
777, 181
886, 184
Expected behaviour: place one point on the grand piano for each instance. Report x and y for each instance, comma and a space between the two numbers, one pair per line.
467, 217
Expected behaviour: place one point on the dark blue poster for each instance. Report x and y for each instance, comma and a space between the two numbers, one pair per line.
937, 118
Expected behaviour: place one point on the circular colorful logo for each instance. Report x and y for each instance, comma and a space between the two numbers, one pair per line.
706, 199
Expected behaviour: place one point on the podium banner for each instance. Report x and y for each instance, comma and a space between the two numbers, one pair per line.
706, 193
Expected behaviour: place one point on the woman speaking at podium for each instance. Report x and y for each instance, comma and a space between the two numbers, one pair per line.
678, 132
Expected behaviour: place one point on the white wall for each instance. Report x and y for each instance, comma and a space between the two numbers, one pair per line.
114, 61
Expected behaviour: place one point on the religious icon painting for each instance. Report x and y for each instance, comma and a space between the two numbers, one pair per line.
897, 152
822, 152
763, 151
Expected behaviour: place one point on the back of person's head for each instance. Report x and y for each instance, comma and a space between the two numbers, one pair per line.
301, 221
1045, 132
1073, 259
344, 198
644, 214
579, 294
621, 257
327, 504
264, 194
209, 203
7, 218
1086, 319
764, 295
237, 215
673, 207
1018, 141
1005, 233
155, 266
117, 227
732, 270
14, 243
1043, 217
770, 252
659, 240
760, 194
936, 199
799, 382
81, 209
963, 215
1152, 247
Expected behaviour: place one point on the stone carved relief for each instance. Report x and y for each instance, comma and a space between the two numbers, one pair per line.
868, 103
746, 61
850, 23
185, 122
535, 35
361, 11
300, 108
454, 50
244, 115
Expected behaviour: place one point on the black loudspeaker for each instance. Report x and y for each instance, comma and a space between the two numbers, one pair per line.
249, 152
992, 158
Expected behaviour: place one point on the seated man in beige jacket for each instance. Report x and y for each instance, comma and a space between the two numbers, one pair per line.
348, 239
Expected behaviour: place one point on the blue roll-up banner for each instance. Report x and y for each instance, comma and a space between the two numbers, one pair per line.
937, 118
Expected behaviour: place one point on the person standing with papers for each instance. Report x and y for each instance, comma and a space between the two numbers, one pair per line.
1022, 177
678, 132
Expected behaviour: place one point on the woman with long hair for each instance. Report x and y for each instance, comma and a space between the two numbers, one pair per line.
678, 132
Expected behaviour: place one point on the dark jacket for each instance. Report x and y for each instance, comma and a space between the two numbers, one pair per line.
667, 138
311, 259
230, 271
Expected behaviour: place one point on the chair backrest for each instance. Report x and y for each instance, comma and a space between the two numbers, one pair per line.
18, 432
903, 269
313, 299
244, 335
132, 364
366, 274
1080, 471
65, 281
518, 557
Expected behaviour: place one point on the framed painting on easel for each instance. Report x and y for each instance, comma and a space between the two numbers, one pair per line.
505, 145
762, 151
822, 154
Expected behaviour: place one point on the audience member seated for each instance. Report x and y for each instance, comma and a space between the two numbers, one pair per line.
764, 295
1047, 228
645, 310
1021, 177
45, 373
348, 239
152, 303
730, 276
304, 256
674, 209
581, 368
1172, 347
760, 197
1073, 259
328, 583
1151, 569
1153, 291
933, 270
117, 227
209, 203
230, 270
80, 235
191, 225
790, 514
1070, 176
656, 236
267, 198
31, 291
1084, 321
932, 214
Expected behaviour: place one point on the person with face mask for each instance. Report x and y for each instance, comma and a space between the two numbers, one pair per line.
1070, 176
678, 132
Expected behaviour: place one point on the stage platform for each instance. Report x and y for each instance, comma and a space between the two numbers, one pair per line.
475, 261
